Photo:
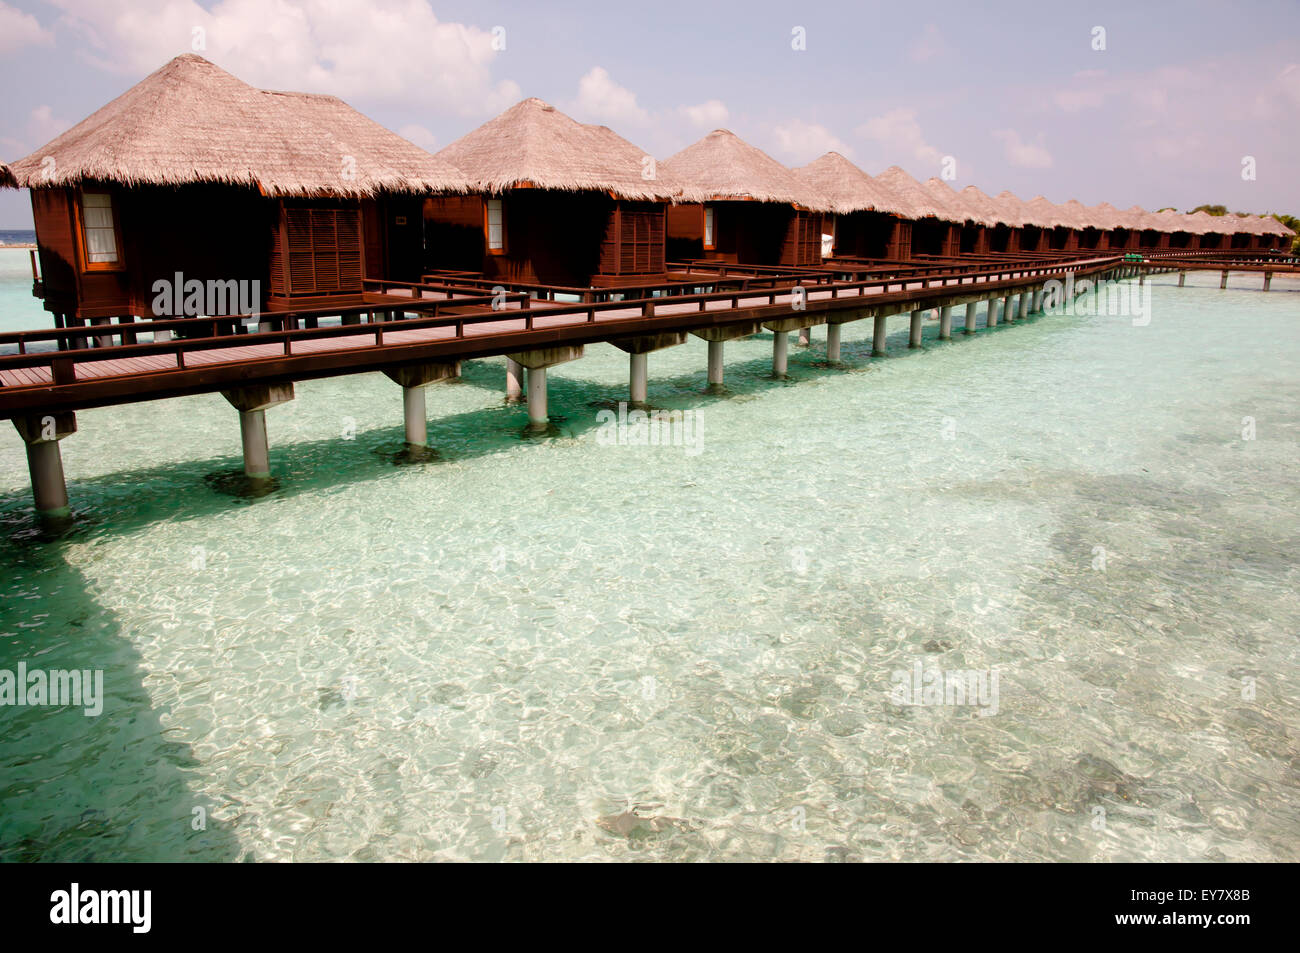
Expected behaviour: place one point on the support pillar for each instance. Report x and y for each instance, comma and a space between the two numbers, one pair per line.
537, 362
780, 353
945, 323
1024, 304
1009, 309
914, 337
970, 316
805, 337
1182, 279
715, 363
638, 348
414, 378
1268, 279
1036, 305
42, 433
638, 377
514, 381
1223, 282
879, 347
992, 319
252, 403
833, 343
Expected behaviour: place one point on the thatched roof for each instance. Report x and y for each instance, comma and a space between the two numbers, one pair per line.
1108, 216
1047, 214
533, 143
991, 210
957, 205
847, 187
910, 194
192, 122
1082, 215
722, 167
1012, 209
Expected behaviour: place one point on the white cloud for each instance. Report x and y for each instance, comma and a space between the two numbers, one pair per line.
901, 136
350, 48
928, 46
710, 114
1026, 155
421, 136
19, 29
599, 97
41, 126
804, 141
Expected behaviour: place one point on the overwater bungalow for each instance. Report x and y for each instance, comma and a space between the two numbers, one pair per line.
193, 175
739, 205
1020, 234
1112, 221
1059, 226
867, 221
1090, 230
556, 202
970, 217
930, 224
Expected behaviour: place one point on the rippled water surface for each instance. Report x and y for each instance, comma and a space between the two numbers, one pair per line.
501, 653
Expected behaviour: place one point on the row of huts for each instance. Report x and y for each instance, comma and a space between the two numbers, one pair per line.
194, 173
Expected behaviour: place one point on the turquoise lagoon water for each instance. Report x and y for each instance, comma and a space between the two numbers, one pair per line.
494, 654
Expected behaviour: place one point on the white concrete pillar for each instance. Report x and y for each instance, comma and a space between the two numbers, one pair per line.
514, 381
1024, 304
971, 310
805, 337
833, 342
537, 416
1036, 306
914, 336
992, 319
638, 377
1268, 279
715, 363
252, 403
416, 416
879, 346
252, 434
1223, 282
1182, 279
42, 434
780, 353
945, 323
1009, 308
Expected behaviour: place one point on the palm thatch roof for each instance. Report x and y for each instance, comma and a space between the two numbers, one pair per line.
911, 194
847, 187
958, 206
1108, 216
1012, 209
1082, 215
991, 210
723, 167
191, 122
1136, 218
533, 143
1047, 214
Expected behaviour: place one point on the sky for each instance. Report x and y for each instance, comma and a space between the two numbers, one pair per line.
1160, 104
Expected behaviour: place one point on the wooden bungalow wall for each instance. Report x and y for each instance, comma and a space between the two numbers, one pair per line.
552, 238
872, 235
746, 233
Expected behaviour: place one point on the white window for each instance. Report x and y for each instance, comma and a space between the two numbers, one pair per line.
708, 226
101, 236
496, 232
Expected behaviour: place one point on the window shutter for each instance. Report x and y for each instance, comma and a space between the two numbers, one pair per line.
322, 247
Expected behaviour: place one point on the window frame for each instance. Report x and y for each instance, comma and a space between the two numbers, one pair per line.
709, 227
487, 225
82, 231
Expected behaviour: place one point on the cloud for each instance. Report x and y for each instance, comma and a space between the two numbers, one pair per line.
399, 52
710, 114
599, 97
901, 136
928, 46
804, 141
419, 135
41, 126
1026, 155
19, 29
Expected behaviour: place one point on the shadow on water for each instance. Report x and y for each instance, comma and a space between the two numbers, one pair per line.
109, 787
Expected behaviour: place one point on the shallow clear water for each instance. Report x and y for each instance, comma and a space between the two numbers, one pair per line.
487, 655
